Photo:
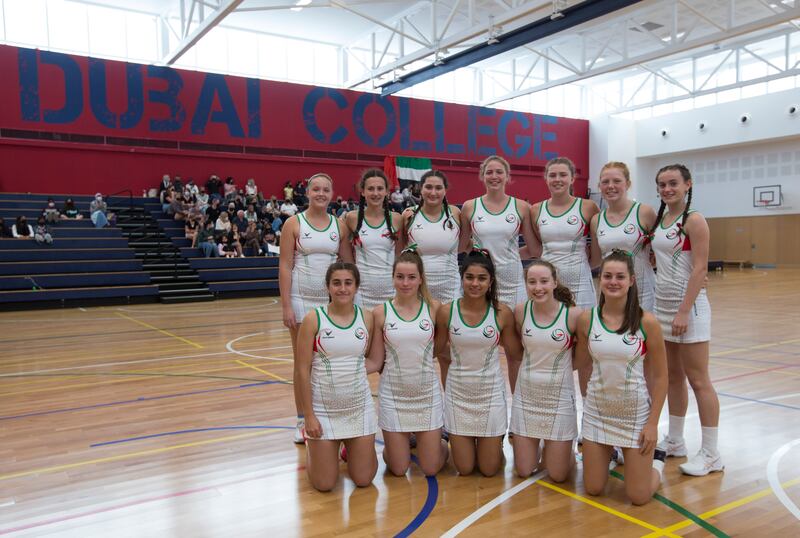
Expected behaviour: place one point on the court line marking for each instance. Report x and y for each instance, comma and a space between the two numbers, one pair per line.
722, 509
139, 361
199, 311
427, 508
193, 430
462, 525
664, 420
748, 374
755, 400
265, 372
229, 347
757, 346
167, 333
775, 484
119, 457
725, 364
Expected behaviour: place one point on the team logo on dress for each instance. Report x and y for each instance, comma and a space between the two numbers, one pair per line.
527, 331
558, 335
363, 232
425, 325
543, 222
360, 333
572, 220
489, 331
630, 339
456, 330
596, 337
306, 234
480, 218
511, 218
601, 232
418, 226
672, 234
327, 333
334, 236
629, 229
391, 326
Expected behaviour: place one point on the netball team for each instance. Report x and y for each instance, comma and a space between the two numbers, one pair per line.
379, 291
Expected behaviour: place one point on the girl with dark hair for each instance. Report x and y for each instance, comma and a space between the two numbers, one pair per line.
310, 240
543, 404
21, 229
680, 239
625, 350
562, 224
372, 231
469, 332
494, 221
624, 225
331, 378
409, 392
433, 226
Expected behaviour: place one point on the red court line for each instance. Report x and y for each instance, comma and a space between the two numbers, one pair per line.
756, 372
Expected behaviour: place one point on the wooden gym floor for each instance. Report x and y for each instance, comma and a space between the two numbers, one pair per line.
159, 420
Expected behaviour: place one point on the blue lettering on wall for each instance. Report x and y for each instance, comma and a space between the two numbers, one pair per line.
310, 118
253, 108
438, 128
486, 130
98, 96
547, 136
405, 129
523, 142
360, 108
215, 85
167, 97
29, 87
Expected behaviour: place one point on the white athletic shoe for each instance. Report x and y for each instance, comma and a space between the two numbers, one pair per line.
300, 432
702, 463
673, 449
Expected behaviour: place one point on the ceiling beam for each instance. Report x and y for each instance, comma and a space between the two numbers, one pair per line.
215, 17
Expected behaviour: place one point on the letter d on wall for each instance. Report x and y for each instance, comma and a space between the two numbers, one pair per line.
29, 98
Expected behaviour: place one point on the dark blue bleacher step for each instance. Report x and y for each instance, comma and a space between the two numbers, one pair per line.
66, 294
65, 243
187, 298
57, 254
73, 280
155, 265
79, 266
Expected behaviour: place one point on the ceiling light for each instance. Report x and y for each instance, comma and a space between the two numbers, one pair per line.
300, 4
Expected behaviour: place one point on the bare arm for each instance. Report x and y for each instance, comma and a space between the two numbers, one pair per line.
512, 345
697, 230
285, 266
595, 256
655, 366
533, 247
345, 242
302, 372
377, 347
582, 358
397, 226
405, 222
589, 210
441, 342
465, 236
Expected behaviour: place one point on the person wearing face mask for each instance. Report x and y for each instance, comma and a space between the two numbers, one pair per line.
98, 210
42, 232
50, 212
70, 212
21, 229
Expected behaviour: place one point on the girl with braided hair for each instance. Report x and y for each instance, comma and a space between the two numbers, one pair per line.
373, 244
433, 226
680, 240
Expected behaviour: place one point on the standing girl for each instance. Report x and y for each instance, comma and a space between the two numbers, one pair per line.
543, 405
562, 224
309, 241
409, 391
433, 226
469, 332
681, 242
373, 239
495, 221
331, 377
624, 225
625, 350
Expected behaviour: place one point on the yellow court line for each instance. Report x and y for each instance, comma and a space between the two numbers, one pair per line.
609, 510
724, 508
130, 455
742, 366
145, 324
257, 369
750, 348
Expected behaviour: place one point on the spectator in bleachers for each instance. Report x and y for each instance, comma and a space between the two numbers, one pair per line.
50, 212
190, 227
288, 191
235, 240
251, 193
166, 183
397, 199
177, 184
239, 219
251, 215
269, 240
277, 224
229, 189
252, 238
42, 233
179, 208
288, 209
223, 223
213, 211
204, 240
272, 208
21, 229
407, 199
232, 209
190, 189
70, 212
98, 211
4, 231
416, 195
166, 197
213, 186
299, 197
225, 249
202, 200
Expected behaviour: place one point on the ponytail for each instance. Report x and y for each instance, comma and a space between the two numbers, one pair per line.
633, 312
561, 293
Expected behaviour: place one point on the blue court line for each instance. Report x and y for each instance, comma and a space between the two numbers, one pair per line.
129, 439
427, 508
137, 400
774, 404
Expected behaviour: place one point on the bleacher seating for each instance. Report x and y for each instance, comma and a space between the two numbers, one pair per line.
225, 275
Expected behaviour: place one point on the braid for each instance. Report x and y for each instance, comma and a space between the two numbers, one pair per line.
387, 216
447, 223
361, 203
686, 211
660, 215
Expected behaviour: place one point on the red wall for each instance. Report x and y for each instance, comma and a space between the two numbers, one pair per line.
71, 124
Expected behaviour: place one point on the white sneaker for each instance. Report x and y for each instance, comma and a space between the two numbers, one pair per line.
300, 432
702, 463
672, 448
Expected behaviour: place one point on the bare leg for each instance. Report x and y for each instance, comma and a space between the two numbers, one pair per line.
432, 451
641, 480
298, 402
595, 466
558, 459
362, 462
526, 455
490, 455
464, 453
396, 452
322, 463
694, 358
677, 392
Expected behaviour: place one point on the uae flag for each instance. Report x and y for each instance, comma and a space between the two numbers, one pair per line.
410, 168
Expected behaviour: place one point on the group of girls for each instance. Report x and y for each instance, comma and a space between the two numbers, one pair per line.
405, 302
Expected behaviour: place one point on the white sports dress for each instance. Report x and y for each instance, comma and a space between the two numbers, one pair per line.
617, 403
673, 250
340, 394
374, 255
314, 251
475, 390
437, 245
499, 234
630, 236
543, 404
409, 391
564, 245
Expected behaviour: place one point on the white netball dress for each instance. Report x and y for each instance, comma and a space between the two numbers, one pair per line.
475, 391
543, 404
409, 391
630, 236
374, 255
437, 245
673, 250
564, 245
499, 234
314, 251
340, 394
617, 403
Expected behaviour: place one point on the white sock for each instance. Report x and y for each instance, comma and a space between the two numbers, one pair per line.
658, 465
710, 435
676, 428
